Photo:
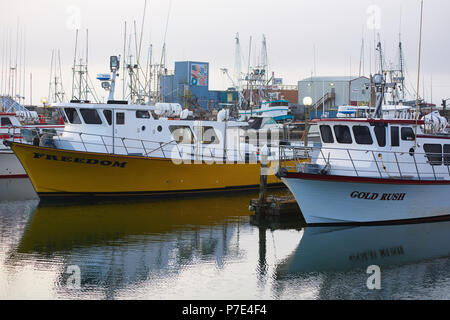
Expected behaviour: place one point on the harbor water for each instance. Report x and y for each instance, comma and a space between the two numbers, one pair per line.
204, 248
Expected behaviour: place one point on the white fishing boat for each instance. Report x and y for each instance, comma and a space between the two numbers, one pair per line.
12, 129
376, 169
277, 110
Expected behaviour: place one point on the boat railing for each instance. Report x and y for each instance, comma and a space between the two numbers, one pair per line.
19, 133
369, 163
98, 143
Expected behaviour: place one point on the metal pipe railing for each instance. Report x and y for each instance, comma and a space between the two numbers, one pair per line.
139, 145
395, 166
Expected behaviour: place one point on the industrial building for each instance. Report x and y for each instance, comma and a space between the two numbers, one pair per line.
189, 86
328, 93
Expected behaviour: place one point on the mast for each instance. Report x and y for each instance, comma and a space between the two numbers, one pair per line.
402, 68
24, 67
249, 80
418, 70
86, 66
74, 64
380, 56
124, 63
51, 76
361, 59
237, 69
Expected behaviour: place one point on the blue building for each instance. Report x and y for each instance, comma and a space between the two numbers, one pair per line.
189, 86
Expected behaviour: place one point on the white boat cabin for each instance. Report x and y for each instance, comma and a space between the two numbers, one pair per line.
277, 110
389, 112
8, 123
383, 148
154, 131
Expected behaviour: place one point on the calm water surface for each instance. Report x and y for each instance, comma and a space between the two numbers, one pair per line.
207, 248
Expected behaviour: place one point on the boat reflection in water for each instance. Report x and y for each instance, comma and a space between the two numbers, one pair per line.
121, 246
207, 248
409, 256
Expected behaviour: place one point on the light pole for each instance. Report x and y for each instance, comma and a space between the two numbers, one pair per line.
307, 102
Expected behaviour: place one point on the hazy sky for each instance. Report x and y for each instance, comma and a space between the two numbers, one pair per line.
204, 30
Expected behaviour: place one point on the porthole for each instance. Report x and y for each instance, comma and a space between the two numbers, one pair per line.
143, 128
159, 128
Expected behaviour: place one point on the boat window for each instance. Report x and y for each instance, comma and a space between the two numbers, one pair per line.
327, 135
143, 114
63, 115
207, 135
408, 134
72, 115
380, 134
120, 118
343, 134
182, 134
395, 138
108, 116
362, 135
278, 104
6, 122
447, 154
90, 116
434, 153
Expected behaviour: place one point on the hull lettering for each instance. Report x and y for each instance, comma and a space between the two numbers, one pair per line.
376, 196
104, 163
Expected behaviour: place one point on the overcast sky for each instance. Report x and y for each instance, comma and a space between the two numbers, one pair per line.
204, 30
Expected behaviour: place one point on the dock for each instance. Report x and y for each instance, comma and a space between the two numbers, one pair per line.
276, 206
273, 209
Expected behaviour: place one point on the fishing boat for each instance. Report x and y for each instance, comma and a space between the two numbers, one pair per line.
375, 169
10, 167
136, 154
277, 110
121, 149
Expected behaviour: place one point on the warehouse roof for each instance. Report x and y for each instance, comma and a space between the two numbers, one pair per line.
332, 78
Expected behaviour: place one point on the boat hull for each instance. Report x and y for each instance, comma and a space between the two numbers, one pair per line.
10, 167
56, 173
351, 200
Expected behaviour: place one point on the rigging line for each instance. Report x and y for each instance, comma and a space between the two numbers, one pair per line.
418, 71
74, 64
163, 53
60, 76
51, 75
142, 31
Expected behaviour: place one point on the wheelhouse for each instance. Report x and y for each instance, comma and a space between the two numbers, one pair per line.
369, 134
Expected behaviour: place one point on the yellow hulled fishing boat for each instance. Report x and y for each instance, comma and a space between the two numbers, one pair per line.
65, 173
117, 148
